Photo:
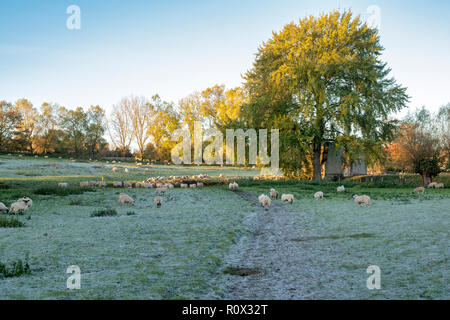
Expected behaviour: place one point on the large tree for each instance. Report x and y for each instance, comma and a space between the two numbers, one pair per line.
325, 77
10, 120
28, 125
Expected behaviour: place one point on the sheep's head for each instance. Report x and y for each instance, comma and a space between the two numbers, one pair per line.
354, 195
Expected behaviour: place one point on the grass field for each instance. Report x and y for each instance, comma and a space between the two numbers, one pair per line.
180, 251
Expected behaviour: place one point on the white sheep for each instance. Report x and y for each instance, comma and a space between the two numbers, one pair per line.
115, 169
199, 184
126, 170
193, 185
161, 190
274, 193
139, 185
265, 201
432, 185
287, 198
159, 185
158, 201
419, 190
3, 208
63, 185
439, 186
184, 185
27, 201
117, 184
125, 199
148, 185
127, 185
341, 189
84, 184
361, 199
233, 186
92, 183
18, 207
318, 195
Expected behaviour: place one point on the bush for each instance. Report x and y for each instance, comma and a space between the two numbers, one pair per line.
54, 190
131, 213
10, 222
104, 213
17, 269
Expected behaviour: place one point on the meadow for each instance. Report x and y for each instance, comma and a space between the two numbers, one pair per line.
188, 248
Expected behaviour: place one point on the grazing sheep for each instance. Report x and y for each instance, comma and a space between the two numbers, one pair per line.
161, 190
102, 184
126, 170
318, 195
439, 186
432, 185
125, 199
361, 199
184, 185
170, 186
18, 207
3, 208
287, 198
127, 185
221, 176
193, 185
158, 201
27, 201
63, 185
139, 185
148, 185
265, 201
419, 190
199, 184
84, 184
115, 169
159, 185
92, 183
341, 189
274, 193
117, 184
233, 186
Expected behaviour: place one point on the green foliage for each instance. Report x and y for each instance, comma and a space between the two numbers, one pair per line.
104, 213
10, 222
326, 75
429, 167
17, 269
54, 190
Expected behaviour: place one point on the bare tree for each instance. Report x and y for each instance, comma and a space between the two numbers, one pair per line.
119, 126
141, 113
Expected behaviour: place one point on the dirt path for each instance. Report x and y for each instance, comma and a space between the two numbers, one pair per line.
282, 264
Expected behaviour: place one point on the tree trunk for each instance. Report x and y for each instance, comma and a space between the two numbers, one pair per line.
317, 172
426, 179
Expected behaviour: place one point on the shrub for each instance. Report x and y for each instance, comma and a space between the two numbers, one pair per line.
104, 213
131, 213
17, 269
54, 190
10, 222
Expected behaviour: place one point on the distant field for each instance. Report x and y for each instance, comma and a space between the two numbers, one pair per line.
181, 250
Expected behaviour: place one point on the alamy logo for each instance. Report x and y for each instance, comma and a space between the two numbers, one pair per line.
74, 281
213, 153
73, 22
374, 281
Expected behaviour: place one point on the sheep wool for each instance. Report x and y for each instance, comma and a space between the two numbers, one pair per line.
117, 184
361, 199
84, 184
18, 207
287, 198
439, 186
63, 185
419, 190
27, 201
274, 193
318, 195
115, 169
3, 208
341, 189
265, 201
233, 186
193, 185
125, 199
158, 201
183, 185
432, 185
128, 185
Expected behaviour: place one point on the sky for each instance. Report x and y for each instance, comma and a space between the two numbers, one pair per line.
173, 48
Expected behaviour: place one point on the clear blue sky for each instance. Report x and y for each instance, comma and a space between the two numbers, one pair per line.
176, 47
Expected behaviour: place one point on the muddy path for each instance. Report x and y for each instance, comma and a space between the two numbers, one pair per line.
270, 265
